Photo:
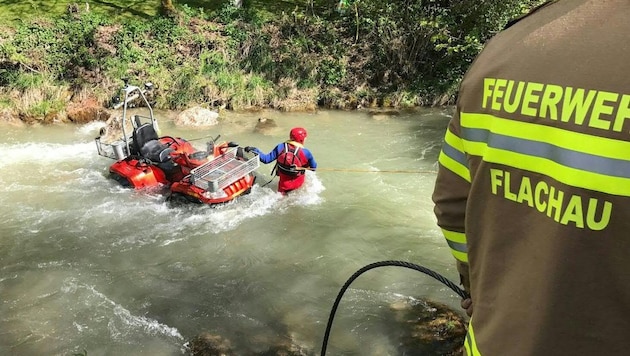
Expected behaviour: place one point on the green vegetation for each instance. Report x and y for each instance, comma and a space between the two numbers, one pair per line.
288, 55
16, 11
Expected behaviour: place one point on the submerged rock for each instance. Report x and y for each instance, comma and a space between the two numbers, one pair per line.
383, 114
266, 126
430, 328
421, 327
206, 344
285, 350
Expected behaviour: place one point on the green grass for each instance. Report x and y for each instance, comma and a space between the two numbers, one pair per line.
212, 54
12, 11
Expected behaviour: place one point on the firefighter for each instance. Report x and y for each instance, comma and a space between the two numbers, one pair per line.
292, 160
533, 188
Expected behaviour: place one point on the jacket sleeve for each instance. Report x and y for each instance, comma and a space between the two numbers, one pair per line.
450, 195
271, 156
311, 160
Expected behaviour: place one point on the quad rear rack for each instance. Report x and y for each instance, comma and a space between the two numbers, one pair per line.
223, 170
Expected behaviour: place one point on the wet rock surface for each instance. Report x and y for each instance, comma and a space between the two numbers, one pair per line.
266, 126
112, 130
207, 344
429, 328
197, 116
85, 111
420, 327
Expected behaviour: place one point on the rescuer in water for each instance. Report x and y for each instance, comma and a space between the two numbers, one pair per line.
292, 160
533, 189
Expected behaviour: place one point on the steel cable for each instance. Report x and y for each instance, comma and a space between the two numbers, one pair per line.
462, 293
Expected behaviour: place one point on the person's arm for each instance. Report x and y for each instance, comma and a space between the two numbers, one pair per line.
310, 159
450, 195
271, 156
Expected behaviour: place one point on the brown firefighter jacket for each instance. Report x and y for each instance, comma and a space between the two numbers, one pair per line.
533, 190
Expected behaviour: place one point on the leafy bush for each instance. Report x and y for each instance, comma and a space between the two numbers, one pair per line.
393, 53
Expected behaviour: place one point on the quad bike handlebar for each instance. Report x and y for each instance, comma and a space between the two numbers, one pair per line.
126, 101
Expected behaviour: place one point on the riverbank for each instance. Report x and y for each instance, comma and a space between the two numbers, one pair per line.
294, 57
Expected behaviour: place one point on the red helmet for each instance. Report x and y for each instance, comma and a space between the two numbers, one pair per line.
297, 134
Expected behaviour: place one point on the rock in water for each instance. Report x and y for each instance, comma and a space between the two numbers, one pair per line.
112, 131
197, 116
430, 328
206, 344
266, 126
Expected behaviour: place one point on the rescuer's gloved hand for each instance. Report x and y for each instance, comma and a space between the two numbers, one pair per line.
467, 305
250, 149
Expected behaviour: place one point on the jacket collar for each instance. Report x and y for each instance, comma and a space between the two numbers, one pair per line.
295, 143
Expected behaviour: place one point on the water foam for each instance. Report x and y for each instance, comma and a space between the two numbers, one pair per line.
124, 322
77, 172
42, 153
90, 129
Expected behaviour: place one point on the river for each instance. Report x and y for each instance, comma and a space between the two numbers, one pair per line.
88, 265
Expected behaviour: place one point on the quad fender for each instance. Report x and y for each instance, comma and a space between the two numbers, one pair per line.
179, 145
138, 174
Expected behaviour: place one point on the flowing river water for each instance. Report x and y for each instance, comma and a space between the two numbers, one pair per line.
88, 265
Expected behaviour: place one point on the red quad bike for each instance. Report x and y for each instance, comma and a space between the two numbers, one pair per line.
146, 160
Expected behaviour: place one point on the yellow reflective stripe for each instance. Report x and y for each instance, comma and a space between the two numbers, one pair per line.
460, 256
570, 176
575, 141
522, 146
453, 157
457, 243
470, 343
454, 166
454, 141
457, 237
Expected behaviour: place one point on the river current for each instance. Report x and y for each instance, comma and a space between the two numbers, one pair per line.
88, 265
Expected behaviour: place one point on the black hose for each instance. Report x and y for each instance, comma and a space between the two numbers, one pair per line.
264, 185
273, 175
462, 293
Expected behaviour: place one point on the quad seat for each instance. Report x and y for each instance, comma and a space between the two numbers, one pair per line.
141, 135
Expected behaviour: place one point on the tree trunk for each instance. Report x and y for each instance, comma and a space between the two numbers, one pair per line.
167, 8
237, 3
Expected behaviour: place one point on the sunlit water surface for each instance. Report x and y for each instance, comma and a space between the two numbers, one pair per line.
88, 265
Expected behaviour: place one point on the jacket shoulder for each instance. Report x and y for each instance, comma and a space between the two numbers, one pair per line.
533, 10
